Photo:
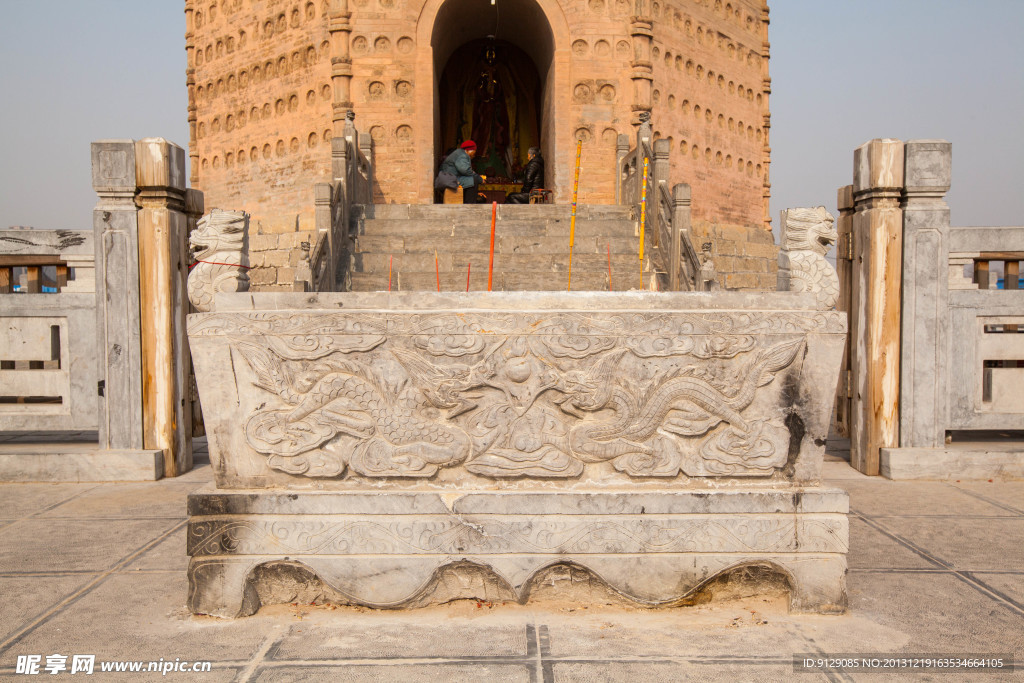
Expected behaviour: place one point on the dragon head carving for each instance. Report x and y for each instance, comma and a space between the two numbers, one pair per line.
218, 230
219, 246
810, 230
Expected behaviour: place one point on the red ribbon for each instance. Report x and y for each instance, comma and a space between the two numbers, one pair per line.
215, 263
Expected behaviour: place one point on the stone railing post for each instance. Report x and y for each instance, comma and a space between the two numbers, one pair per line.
681, 224
661, 161
341, 157
115, 221
923, 363
844, 271
875, 298
366, 152
621, 150
782, 278
324, 229
643, 144
163, 250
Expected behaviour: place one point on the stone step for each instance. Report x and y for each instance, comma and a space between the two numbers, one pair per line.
375, 262
445, 228
477, 211
503, 281
504, 244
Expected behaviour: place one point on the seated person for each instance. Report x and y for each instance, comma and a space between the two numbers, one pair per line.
533, 178
459, 164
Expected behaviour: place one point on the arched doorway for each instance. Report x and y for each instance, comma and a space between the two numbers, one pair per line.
529, 38
490, 92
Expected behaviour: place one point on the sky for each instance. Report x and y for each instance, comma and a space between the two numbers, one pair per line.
843, 72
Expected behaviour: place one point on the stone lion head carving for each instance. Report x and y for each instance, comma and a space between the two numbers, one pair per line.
810, 229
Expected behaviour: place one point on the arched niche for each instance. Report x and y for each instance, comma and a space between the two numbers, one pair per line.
536, 28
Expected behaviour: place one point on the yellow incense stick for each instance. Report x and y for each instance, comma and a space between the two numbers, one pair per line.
643, 219
572, 221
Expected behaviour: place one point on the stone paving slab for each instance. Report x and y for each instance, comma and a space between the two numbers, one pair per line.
1007, 493
887, 498
879, 551
132, 501
22, 500
76, 545
971, 544
28, 597
92, 569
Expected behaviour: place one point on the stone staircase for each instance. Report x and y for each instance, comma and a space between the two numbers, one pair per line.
531, 248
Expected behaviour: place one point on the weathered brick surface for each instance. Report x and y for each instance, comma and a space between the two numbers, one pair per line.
263, 98
262, 276
740, 250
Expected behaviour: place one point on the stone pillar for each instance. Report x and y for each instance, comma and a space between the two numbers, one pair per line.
878, 251
163, 232
115, 222
642, 35
844, 270
766, 90
190, 83
923, 363
340, 28
681, 224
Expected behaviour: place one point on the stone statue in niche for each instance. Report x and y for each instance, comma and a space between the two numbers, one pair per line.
540, 401
807, 236
220, 248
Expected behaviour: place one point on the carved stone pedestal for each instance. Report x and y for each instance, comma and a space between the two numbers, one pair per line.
654, 440
388, 549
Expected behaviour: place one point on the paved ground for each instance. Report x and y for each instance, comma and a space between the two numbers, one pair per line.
99, 569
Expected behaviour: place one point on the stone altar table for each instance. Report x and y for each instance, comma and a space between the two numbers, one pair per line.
654, 440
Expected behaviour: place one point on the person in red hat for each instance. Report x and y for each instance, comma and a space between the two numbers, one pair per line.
457, 169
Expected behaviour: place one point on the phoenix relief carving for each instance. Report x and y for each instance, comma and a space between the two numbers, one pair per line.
519, 406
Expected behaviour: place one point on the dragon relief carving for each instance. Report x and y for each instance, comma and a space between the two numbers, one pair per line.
523, 405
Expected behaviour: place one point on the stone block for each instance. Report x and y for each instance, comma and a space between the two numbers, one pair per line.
628, 434
263, 276
742, 281
159, 163
928, 167
968, 461
77, 462
388, 549
113, 166
285, 276
262, 242
878, 164
276, 258
294, 240
410, 358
